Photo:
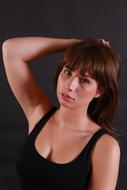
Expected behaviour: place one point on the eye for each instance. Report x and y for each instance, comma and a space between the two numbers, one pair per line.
84, 80
67, 72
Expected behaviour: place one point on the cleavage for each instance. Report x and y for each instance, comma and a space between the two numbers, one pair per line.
60, 146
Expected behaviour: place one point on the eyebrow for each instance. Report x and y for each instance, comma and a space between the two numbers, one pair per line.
83, 76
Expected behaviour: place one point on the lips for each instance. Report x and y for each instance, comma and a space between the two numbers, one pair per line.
67, 96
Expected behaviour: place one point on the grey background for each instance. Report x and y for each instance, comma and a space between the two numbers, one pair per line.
63, 19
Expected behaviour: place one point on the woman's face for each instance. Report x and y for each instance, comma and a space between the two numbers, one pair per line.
74, 90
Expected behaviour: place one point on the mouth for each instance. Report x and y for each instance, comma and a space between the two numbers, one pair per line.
67, 97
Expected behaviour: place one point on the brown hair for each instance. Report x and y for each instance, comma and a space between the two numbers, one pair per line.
102, 63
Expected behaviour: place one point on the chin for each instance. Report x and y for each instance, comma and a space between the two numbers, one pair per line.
64, 104
67, 105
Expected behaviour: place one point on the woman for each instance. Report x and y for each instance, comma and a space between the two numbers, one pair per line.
71, 147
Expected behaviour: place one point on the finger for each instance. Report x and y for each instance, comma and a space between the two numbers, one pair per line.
105, 42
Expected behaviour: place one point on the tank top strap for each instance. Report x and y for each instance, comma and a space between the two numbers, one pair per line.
95, 138
39, 125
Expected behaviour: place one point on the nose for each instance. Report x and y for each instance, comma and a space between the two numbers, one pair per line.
73, 84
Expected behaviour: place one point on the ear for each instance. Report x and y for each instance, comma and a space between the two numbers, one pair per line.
99, 92
97, 95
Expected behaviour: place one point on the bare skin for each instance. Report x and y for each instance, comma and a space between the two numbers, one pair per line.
57, 133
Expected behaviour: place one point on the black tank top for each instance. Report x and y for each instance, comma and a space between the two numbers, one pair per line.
38, 173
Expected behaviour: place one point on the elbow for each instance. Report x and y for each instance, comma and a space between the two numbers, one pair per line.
8, 48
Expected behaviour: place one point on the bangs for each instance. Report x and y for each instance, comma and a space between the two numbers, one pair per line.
81, 67
88, 61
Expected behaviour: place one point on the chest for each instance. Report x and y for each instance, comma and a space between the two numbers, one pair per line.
50, 170
60, 145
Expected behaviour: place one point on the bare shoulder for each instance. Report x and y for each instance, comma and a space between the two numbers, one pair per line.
107, 141
105, 163
107, 144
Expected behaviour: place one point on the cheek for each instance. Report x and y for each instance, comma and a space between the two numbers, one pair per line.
59, 84
89, 93
61, 81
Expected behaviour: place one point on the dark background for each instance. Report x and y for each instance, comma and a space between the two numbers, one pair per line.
62, 19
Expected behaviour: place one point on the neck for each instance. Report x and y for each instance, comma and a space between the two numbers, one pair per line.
76, 119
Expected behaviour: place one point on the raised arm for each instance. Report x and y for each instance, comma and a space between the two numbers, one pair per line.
16, 53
